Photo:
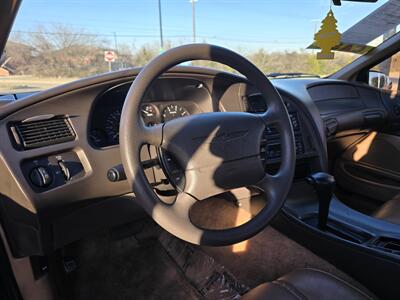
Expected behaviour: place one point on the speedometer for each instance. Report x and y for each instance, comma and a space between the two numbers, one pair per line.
112, 126
173, 111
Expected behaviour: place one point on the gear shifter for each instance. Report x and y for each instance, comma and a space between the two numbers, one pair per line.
324, 185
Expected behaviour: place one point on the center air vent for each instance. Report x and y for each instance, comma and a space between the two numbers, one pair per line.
35, 134
255, 103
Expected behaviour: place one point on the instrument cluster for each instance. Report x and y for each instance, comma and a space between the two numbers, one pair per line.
166, 99
152, 113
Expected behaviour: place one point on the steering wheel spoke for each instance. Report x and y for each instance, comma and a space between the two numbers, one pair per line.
184, 203
269, 184
152, 135
176, 217
272, 115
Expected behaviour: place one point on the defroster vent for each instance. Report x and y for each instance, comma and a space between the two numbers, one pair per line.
35, 134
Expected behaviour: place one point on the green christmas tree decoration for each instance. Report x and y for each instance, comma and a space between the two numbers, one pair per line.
327, 37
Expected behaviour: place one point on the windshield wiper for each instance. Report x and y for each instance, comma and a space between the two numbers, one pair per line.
290, 75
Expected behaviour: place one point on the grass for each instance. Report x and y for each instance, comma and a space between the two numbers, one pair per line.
21, 84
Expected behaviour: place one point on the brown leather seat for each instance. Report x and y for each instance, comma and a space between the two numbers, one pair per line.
390, 211
308, 284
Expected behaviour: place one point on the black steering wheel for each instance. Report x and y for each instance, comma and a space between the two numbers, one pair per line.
216, 151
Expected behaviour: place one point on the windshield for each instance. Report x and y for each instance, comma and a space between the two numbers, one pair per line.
54, 42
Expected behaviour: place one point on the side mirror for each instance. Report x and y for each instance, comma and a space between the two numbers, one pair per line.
379, 80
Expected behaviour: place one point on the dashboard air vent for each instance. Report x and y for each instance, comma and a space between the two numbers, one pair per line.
35, 134
255, 103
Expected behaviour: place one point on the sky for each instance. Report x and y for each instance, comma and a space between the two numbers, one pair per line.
274, 25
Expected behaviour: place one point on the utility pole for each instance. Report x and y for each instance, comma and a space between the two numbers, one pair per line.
115, 41
160, 21
116, 50
316, 22
194, 19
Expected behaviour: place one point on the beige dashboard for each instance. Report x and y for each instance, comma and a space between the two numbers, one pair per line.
57, 192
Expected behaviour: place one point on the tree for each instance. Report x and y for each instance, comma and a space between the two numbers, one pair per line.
57, 52
327, 37
63, 52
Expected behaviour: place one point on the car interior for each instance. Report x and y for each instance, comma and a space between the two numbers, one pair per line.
173, 181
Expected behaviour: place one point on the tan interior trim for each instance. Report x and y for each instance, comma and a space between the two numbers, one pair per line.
30, 288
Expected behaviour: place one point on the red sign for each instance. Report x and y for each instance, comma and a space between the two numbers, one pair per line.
109, 56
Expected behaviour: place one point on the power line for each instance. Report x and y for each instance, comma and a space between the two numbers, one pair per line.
184, 36
90, 34
175, 31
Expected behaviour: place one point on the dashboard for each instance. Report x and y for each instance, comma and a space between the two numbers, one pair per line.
59, 145
171, 98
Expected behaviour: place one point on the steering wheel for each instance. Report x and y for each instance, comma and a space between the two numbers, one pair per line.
216, 151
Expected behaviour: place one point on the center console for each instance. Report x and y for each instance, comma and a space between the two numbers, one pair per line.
366, 248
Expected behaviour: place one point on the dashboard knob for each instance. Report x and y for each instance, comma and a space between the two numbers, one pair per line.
116, 173
40, 177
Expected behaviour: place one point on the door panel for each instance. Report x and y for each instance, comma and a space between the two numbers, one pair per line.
371, 167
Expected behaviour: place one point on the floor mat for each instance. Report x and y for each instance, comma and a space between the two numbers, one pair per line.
160, 266
265, 257
211, 279
268, 256
127, 269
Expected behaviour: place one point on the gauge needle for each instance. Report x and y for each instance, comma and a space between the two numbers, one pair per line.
147, 113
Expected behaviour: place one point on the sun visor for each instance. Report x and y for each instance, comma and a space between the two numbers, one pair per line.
350, 47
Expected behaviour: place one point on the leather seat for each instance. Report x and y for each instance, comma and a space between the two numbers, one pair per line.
390, 211
308, 284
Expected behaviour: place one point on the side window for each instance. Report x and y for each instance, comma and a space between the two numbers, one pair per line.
386, 75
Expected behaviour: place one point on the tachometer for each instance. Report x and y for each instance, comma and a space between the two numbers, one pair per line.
150, 114
112, 126
173, 111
